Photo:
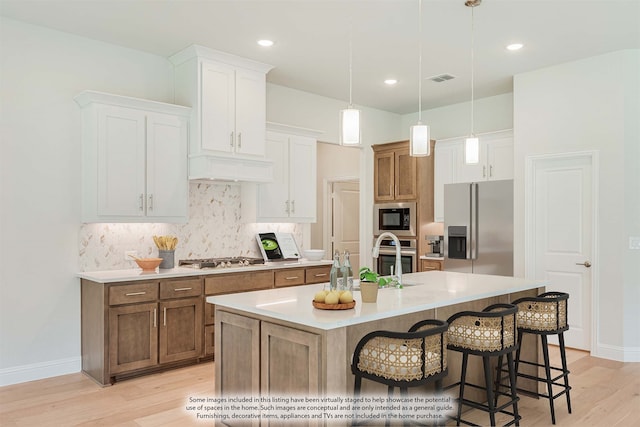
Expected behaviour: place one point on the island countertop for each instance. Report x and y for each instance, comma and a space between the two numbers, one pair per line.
427, 290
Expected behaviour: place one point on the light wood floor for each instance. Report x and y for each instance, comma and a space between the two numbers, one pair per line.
604, 393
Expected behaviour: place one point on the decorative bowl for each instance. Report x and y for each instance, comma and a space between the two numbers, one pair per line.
148, 264
313, 254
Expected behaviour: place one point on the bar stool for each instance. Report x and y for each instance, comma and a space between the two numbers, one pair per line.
402, 359
544, 315
489, 333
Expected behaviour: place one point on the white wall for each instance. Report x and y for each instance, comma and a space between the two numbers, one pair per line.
42, 71
592, 104
491, 114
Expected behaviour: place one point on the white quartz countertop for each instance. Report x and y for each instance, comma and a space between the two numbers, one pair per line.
427, 290
133, 274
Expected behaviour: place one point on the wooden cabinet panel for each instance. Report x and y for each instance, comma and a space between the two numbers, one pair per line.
430, 265
181, 329
241, 374
209, 313
384, 177
290, 361
133, 293
394, 173
180, 288
289, 277
133, 337
405, 176
209, 340
317, 274
238, 282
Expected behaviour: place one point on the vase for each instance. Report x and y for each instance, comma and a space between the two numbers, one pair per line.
369, 291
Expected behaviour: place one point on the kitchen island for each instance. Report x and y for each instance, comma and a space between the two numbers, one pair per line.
276, 342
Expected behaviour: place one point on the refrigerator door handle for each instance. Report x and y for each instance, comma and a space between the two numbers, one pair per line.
473, 242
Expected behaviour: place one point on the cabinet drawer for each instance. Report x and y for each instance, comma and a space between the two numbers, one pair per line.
428, 265
238, 282
289, 277
133, 293
317, 274
180, 288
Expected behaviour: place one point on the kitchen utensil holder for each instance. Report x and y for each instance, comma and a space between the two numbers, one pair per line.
168, 258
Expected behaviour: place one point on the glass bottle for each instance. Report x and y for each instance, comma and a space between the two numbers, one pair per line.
334, 275
347, 273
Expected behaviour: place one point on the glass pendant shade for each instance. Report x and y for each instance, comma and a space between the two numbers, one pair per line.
350, 127
419, 145
472, 150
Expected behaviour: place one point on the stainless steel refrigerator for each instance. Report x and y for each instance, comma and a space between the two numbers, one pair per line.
478, 227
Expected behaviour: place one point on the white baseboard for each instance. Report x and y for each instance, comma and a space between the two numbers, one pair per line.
38, 371
621, 354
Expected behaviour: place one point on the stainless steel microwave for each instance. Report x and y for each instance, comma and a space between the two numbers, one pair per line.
397, 218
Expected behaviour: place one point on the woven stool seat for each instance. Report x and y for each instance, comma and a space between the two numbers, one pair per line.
489, 333
544, 315
402, 359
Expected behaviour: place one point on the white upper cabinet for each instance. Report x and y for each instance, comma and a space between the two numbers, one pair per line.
446, 162
496, 162
496, 159
228, 96
134, 159
291, 197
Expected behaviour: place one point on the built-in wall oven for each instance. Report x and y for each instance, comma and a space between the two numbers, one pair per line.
397, 218
386, 261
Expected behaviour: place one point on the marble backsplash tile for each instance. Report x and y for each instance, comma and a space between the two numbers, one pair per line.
214, 229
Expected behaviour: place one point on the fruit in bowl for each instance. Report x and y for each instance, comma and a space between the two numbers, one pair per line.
313, 254
148, 264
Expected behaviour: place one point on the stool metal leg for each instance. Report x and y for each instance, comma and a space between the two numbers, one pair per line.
465, 358
512, 382
547, 370
489, 388
563, 355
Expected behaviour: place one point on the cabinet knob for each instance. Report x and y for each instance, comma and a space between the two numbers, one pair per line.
150, 204
141, 202
293, 206
231, 140
239, 139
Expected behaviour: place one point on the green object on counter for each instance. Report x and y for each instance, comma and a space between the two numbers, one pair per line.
368, 275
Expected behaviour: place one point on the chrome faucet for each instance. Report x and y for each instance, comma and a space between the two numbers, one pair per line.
376, 253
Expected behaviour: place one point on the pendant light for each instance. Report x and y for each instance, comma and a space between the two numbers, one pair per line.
472, 144
419, 138
350, 117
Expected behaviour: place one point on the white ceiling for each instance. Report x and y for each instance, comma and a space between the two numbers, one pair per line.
312, 37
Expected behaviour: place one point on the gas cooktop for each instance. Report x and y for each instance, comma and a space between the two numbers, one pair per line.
220, 262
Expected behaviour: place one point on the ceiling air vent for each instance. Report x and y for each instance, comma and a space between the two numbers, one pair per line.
441, 78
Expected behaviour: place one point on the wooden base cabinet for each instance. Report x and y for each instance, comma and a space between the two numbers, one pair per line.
130, 328
133, 337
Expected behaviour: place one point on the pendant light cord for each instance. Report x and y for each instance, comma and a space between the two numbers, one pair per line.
472, 71
350, 63
419, 61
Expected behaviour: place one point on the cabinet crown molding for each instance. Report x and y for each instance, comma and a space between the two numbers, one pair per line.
293, 130
216, 55
88, 97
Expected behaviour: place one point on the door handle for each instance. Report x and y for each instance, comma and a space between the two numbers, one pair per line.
586, 264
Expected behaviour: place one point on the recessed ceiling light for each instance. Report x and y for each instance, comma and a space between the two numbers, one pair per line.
265, 43
515, 46
390, 82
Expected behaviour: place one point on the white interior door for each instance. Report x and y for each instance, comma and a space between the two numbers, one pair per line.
562, 235
346, 220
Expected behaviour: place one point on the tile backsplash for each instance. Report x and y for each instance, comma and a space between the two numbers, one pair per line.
214, 229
